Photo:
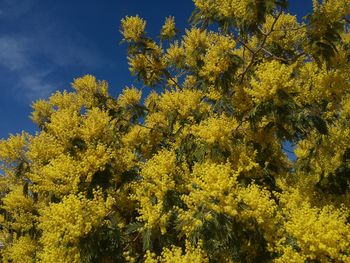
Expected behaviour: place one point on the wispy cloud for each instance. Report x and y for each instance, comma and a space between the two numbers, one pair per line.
12, 9
35, 85
30, 57
28, 80
12, 53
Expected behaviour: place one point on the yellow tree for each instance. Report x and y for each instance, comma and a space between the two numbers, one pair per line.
195, 169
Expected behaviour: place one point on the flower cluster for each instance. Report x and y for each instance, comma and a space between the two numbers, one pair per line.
200, 170
133, 28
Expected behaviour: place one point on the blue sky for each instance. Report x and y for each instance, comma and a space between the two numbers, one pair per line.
45, 44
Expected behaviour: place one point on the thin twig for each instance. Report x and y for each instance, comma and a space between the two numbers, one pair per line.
144, 126
274, 56
261, 46
166, 73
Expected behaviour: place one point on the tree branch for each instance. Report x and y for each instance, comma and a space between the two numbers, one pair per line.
266, 35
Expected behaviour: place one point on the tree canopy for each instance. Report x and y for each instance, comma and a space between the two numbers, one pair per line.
192, 166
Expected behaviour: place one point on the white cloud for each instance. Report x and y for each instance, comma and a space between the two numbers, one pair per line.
28, 79
12, 53
29, 59
35, 86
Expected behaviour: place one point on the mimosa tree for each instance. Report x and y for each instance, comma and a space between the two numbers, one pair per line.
193, 166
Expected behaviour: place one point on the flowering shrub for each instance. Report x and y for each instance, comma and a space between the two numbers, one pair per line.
195, 170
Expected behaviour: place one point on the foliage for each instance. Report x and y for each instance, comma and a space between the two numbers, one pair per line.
194, 168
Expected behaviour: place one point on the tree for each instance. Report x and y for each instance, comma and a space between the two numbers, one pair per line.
197, 171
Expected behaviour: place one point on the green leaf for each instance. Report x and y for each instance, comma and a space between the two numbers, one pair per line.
146, 239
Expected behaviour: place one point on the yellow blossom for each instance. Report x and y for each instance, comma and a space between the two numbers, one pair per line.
129, 97
176, 255
96, 126
21, 208
287, 32
168, 29
216, 129
270, 77
42, 111
217, 59
64, 223
150, 68
132, 28
195, 43
22, 250
156, 181
184, 102
213, 186
175, 54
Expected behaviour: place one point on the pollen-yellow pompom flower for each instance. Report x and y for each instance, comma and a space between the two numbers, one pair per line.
168, 29
287, 33
211, 186
86, 84
218, 57
195, 42
175, 54
195, 165
14, 148
21, 250
129, 97
320, 233
63, 224
270, 77
42, 111
157, 179
176, 255
182, 101
133, 28
215, 129
20, 208
96, 125
229, 9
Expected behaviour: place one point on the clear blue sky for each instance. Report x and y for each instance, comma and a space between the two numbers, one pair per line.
44, 44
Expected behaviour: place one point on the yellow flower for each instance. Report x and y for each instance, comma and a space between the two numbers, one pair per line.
211, 186
129, 97
215, 129
168, 29
89, 90
66, 100
156, 181
89, 85
42, 111
287, 33
96, 125
320, 233
238, 9
13, 149
217, 59
132, 28
184, 102
195, 42
175, 54
59, 177
21, 208
270, 77
64, 125
22, 250
64, 223
148, 68
191, 255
